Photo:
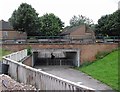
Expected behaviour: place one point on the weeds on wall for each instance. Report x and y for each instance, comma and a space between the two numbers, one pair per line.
29, 52
100, 55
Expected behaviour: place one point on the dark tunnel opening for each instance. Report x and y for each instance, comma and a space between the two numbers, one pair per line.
45, 58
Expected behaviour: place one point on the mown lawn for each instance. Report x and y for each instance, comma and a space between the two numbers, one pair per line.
105, 70
3, 52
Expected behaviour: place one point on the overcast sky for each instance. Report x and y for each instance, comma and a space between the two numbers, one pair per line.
64, 9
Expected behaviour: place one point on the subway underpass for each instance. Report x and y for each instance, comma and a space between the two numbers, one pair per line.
59, 62
56, 57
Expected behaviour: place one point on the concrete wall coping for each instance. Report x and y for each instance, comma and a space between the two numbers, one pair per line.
57, 43
51, 50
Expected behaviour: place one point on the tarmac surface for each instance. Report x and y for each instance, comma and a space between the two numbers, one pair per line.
75, 76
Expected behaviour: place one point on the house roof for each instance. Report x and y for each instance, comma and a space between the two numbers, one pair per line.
68, 30
4, 25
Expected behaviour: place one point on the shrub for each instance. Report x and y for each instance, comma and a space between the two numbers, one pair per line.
29, 51
100, 55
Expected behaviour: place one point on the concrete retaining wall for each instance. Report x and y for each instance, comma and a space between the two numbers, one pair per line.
17, 56
28, 61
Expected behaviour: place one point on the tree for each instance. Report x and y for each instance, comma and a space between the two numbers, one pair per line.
109, 24
25, 19
76, 21
102, 25
51, 25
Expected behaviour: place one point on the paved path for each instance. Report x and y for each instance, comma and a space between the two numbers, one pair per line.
75, 76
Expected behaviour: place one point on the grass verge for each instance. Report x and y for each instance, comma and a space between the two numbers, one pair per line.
3, 52
104, 70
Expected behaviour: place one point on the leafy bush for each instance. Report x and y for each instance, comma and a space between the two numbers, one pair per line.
29, 51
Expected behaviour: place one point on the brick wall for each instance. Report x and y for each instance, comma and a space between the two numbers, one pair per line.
28, 61
87, 51
0, 34
12, 34
79, 31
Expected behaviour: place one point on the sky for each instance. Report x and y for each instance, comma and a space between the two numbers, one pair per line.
64, 9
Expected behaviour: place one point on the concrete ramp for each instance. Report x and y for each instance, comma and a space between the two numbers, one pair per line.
75, 76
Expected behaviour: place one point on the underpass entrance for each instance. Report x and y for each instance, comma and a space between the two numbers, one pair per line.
47, 57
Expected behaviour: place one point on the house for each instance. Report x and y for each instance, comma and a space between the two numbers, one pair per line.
7, 33
79, 33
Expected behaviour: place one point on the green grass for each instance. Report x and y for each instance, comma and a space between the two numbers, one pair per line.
104, 70
3, 52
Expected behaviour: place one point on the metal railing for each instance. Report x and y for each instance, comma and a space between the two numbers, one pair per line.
56, 61
105, 39
62, 39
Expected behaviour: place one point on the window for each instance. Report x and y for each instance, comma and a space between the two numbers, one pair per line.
5, 34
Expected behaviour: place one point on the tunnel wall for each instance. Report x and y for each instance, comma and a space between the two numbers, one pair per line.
87, 51
28, 61
34, 57
73, 56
